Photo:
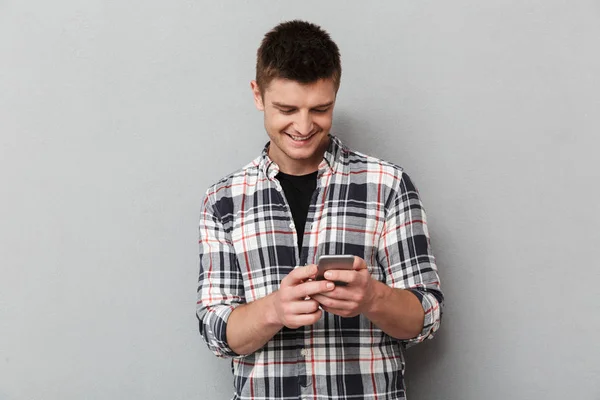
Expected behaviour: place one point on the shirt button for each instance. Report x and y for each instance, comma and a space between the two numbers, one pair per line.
303, 352
292, 225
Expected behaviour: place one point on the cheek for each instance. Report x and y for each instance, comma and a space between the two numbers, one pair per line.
324, 121
277, 122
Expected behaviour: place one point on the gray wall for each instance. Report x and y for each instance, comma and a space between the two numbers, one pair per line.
116, 116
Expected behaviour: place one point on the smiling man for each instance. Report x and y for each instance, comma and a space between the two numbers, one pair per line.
264, 227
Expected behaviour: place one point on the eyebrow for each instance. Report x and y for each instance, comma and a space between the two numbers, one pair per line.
282, 105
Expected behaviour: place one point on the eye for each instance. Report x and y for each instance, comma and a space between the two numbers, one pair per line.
288, 111
321, 110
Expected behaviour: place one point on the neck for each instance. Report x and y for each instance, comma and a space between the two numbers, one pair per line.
300, 167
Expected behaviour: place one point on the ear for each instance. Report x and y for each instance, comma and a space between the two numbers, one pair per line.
258, 100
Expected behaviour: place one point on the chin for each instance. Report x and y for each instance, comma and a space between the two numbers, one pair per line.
300, 154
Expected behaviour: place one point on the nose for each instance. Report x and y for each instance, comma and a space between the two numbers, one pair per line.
303, 124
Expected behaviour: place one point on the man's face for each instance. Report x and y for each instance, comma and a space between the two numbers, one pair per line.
297, 119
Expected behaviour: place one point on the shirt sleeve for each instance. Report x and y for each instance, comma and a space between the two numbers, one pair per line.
220, 285
405, 254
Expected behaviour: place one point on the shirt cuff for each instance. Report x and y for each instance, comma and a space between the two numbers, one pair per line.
432, 308
213, 327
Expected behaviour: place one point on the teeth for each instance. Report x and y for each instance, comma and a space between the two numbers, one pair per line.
300, 138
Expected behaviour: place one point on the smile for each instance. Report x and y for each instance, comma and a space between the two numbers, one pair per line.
301, 138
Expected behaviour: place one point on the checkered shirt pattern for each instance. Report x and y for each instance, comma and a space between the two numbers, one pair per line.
362, 206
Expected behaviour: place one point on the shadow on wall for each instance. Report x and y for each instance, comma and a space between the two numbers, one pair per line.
358, 133
426, 362
368, 131
429, 362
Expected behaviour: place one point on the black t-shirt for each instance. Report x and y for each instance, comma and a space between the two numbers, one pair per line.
298, 191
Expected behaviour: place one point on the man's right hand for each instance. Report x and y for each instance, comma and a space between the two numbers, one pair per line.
293, 306
253, 324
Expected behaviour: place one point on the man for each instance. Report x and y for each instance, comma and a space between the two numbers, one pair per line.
263, 228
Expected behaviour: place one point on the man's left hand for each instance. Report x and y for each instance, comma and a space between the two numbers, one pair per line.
353, 299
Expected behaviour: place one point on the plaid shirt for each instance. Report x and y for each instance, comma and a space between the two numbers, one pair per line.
362, 206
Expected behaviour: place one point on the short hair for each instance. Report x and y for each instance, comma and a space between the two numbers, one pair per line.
299, 51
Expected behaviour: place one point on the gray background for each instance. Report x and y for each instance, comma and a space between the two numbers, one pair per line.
116, 116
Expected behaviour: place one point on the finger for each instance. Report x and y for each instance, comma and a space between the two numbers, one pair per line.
347, 294
320, 298
359, 264
303, 307
340, 275
341, 313
311, 288
300, 274
331, 304
305, 319
340, 293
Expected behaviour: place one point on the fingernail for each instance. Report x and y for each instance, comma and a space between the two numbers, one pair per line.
328, 274
330, 285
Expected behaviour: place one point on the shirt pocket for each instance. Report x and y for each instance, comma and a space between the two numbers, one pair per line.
361, 237
265, 253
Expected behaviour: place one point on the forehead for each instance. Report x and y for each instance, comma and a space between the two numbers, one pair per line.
290, 92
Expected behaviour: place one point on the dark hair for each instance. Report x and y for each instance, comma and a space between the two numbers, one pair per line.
299, 51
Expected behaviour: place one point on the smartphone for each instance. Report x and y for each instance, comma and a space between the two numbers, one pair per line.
334, 262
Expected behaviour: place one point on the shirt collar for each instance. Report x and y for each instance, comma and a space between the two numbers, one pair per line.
329, 163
